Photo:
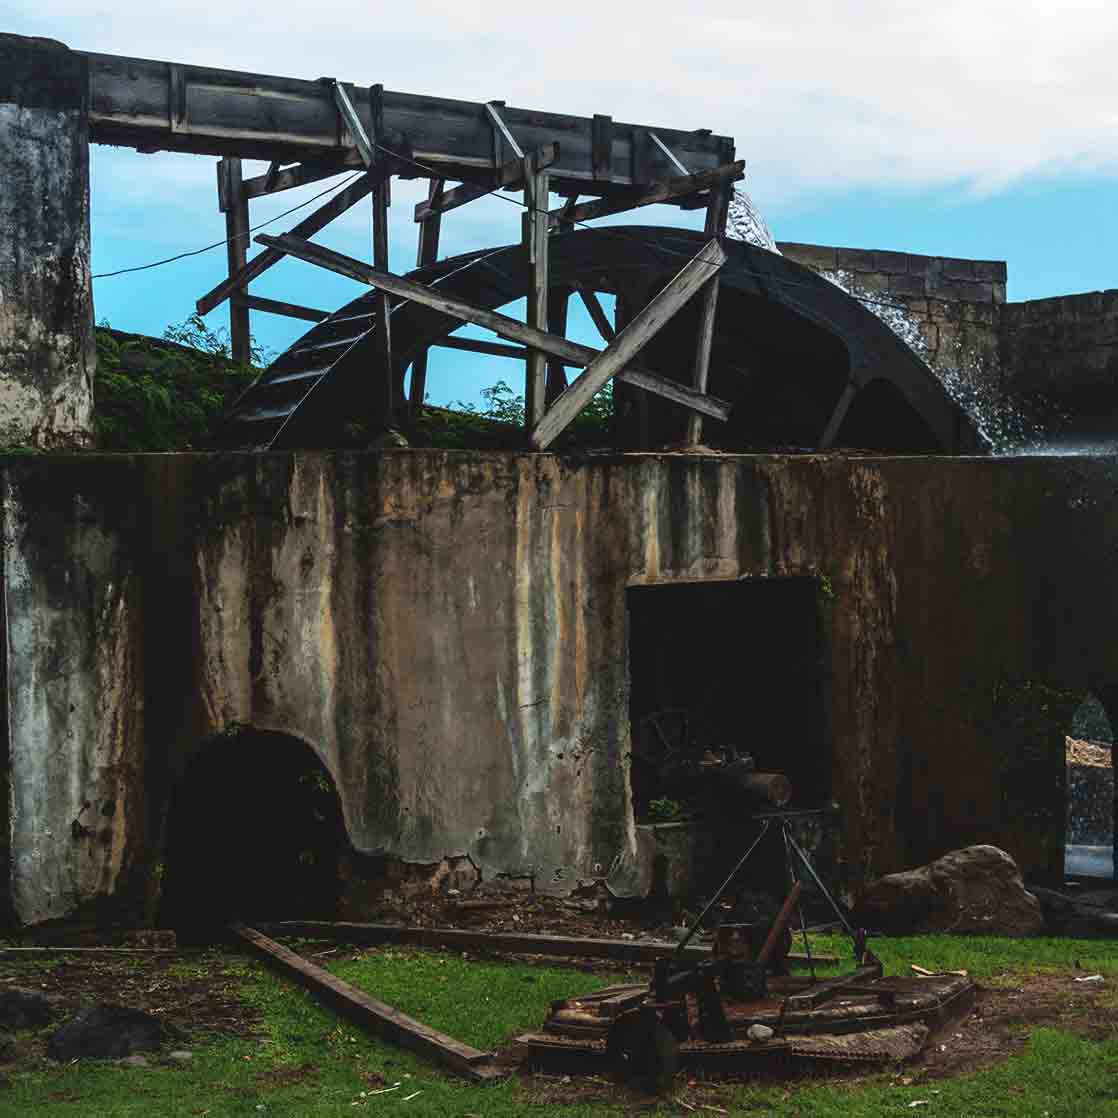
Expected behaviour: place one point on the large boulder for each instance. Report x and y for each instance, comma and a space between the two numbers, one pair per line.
974, 890
106, 1032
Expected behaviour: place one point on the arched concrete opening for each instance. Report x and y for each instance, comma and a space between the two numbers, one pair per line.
1090, 843
254, 832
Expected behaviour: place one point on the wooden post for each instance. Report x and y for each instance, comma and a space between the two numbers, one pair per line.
536, 223
427, 253
557, 301
233, 203
717, 211
384, 387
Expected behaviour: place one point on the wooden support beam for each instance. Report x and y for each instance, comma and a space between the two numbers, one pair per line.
558, 300
353, 124
310, 225
535, 235
508, 174
287, 178
629, 342
236, 250
426, 253
715, 226
275, 306
601, 146
492, 110
520, 943
671, 156
375, 1016
661, 192
384, 378
831, 431
597, 315
500, 324
477, 345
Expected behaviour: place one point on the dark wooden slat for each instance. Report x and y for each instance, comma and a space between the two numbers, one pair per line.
310, 225
662, 192
427, 252
518, 943
601, 146
476, 345
629, 342
508, 174
376, 1016
558, 301
703, 345
500, 324
275, 306
536, 237
384, 377
597, 315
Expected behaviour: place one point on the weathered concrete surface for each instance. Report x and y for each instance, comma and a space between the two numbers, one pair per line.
47, 350
448, 631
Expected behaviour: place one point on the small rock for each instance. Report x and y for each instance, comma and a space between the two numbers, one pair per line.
760, 1033
105, 1032
181, 1057
136, 1061
8, 1048
27, 1009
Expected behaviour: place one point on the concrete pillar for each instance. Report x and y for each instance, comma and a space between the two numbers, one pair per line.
47, 347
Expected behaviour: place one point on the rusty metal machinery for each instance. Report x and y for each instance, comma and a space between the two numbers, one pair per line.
736, 1011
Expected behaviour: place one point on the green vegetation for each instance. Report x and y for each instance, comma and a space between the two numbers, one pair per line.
302, 1061
663, 809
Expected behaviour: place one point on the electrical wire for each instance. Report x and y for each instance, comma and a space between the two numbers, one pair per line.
228, 240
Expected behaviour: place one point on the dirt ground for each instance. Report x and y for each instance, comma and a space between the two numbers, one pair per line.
198, 996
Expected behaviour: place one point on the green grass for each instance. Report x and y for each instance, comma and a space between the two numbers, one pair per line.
305, 1063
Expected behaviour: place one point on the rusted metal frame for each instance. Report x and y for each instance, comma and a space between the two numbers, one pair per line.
513, 943
536, 245
510, 173
662, 192
234, 204
426, 253
715, 226
375, 1016
313, 223
823, 991
500, 324
276, 306
629, 342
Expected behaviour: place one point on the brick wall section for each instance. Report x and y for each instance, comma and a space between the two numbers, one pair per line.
946, 309
1065, 351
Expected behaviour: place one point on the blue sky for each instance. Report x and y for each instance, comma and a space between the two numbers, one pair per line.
980, 129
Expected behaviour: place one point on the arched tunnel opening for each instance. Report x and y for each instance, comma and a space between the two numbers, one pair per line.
254, 833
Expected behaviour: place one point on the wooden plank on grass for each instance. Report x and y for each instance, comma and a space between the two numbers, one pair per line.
375, 1016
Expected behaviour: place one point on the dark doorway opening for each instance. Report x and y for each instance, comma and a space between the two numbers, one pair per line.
1089, 845
721, 666
254, 833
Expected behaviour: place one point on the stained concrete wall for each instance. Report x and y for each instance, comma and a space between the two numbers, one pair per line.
448, 632
47, 350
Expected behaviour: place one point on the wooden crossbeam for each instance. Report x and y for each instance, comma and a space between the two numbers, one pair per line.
648, 322
500, 324
508, 174
313, 223
661, 192
301, 174
275, 306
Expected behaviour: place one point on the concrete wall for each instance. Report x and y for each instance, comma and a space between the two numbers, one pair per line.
448, 632
1065, 351
47, 351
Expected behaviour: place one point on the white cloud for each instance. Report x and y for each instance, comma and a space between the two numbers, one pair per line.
820, 95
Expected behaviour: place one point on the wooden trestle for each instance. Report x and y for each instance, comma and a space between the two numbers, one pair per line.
310, 131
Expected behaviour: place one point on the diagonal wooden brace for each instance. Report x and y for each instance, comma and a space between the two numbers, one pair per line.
648, 322
500, 324
508, 174
319, 219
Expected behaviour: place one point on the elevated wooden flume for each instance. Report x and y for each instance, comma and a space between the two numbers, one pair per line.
313, 130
